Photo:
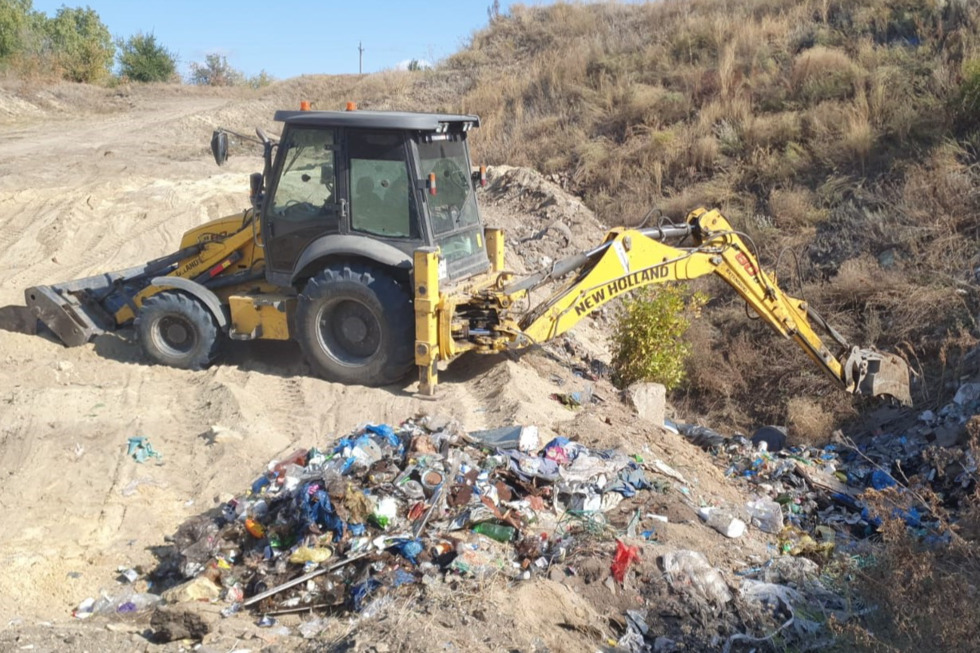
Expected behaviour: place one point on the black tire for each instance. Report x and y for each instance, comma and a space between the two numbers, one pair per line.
177, 330
356, 325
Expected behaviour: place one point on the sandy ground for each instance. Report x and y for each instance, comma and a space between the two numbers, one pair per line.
97, 180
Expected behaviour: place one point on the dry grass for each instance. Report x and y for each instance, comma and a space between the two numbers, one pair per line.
813, 124
795, 208
809, 422
822, 73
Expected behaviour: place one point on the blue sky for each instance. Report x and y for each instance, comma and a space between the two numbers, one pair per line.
289, 39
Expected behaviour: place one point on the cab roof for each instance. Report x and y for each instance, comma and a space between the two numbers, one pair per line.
400, 120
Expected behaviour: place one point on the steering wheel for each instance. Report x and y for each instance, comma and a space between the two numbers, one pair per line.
296, 207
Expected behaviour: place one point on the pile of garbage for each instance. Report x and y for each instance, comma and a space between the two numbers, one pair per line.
386, 511
388, 507
813, 498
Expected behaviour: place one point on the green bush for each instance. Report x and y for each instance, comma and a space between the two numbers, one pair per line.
215, 71
81, 44
261, 80
142, 59
14, 26
648, 339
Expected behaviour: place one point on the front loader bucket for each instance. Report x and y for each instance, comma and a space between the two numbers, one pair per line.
77, 311
874, 374
66, 314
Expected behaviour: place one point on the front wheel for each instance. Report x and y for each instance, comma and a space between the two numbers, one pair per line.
355, 324
177, 330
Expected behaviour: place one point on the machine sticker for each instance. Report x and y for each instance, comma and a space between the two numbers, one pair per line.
621, 253
617, 286
185, 269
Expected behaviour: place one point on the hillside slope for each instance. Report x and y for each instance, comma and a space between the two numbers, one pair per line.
846, 131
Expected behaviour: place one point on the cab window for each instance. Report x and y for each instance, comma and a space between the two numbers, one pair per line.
307, 183
381, 199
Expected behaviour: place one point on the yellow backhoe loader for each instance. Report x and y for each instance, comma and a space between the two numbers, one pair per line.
364, 243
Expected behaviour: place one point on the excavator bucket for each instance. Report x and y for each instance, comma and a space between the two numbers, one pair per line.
872, 373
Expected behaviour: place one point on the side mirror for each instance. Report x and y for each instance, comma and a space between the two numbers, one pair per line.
219, 146
255, 185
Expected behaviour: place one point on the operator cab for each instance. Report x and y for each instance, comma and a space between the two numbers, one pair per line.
373, 184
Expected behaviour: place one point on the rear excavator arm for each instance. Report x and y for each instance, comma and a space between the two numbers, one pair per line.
632, 258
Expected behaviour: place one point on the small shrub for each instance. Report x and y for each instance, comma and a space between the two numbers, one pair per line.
924, 587
215, 71
648, 340
261, 80
795, 207
967, 101
142, 59
809, 422
719, 371
773, 129
823, 74
695, 45
704, 153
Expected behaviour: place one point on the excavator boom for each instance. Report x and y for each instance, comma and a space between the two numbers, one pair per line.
632, 258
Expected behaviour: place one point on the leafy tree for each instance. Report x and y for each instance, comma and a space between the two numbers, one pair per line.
215, 71
142, 59
648, 339
81, 44
14, 24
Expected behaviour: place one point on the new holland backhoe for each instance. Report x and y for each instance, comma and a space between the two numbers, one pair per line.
364, 243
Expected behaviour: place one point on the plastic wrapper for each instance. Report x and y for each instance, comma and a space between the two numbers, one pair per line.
690, 572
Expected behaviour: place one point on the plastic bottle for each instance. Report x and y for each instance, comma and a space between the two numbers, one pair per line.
497, 532
723, 521
137, 603
766, 515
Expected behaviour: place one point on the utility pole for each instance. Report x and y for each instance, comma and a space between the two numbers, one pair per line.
360, 58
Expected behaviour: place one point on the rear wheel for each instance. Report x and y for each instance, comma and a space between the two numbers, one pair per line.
177, 330
355, 324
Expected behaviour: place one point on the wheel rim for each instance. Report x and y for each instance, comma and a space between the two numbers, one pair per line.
348, 331
174, 335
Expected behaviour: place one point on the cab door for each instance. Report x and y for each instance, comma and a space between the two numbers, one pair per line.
305, 203
383, 199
